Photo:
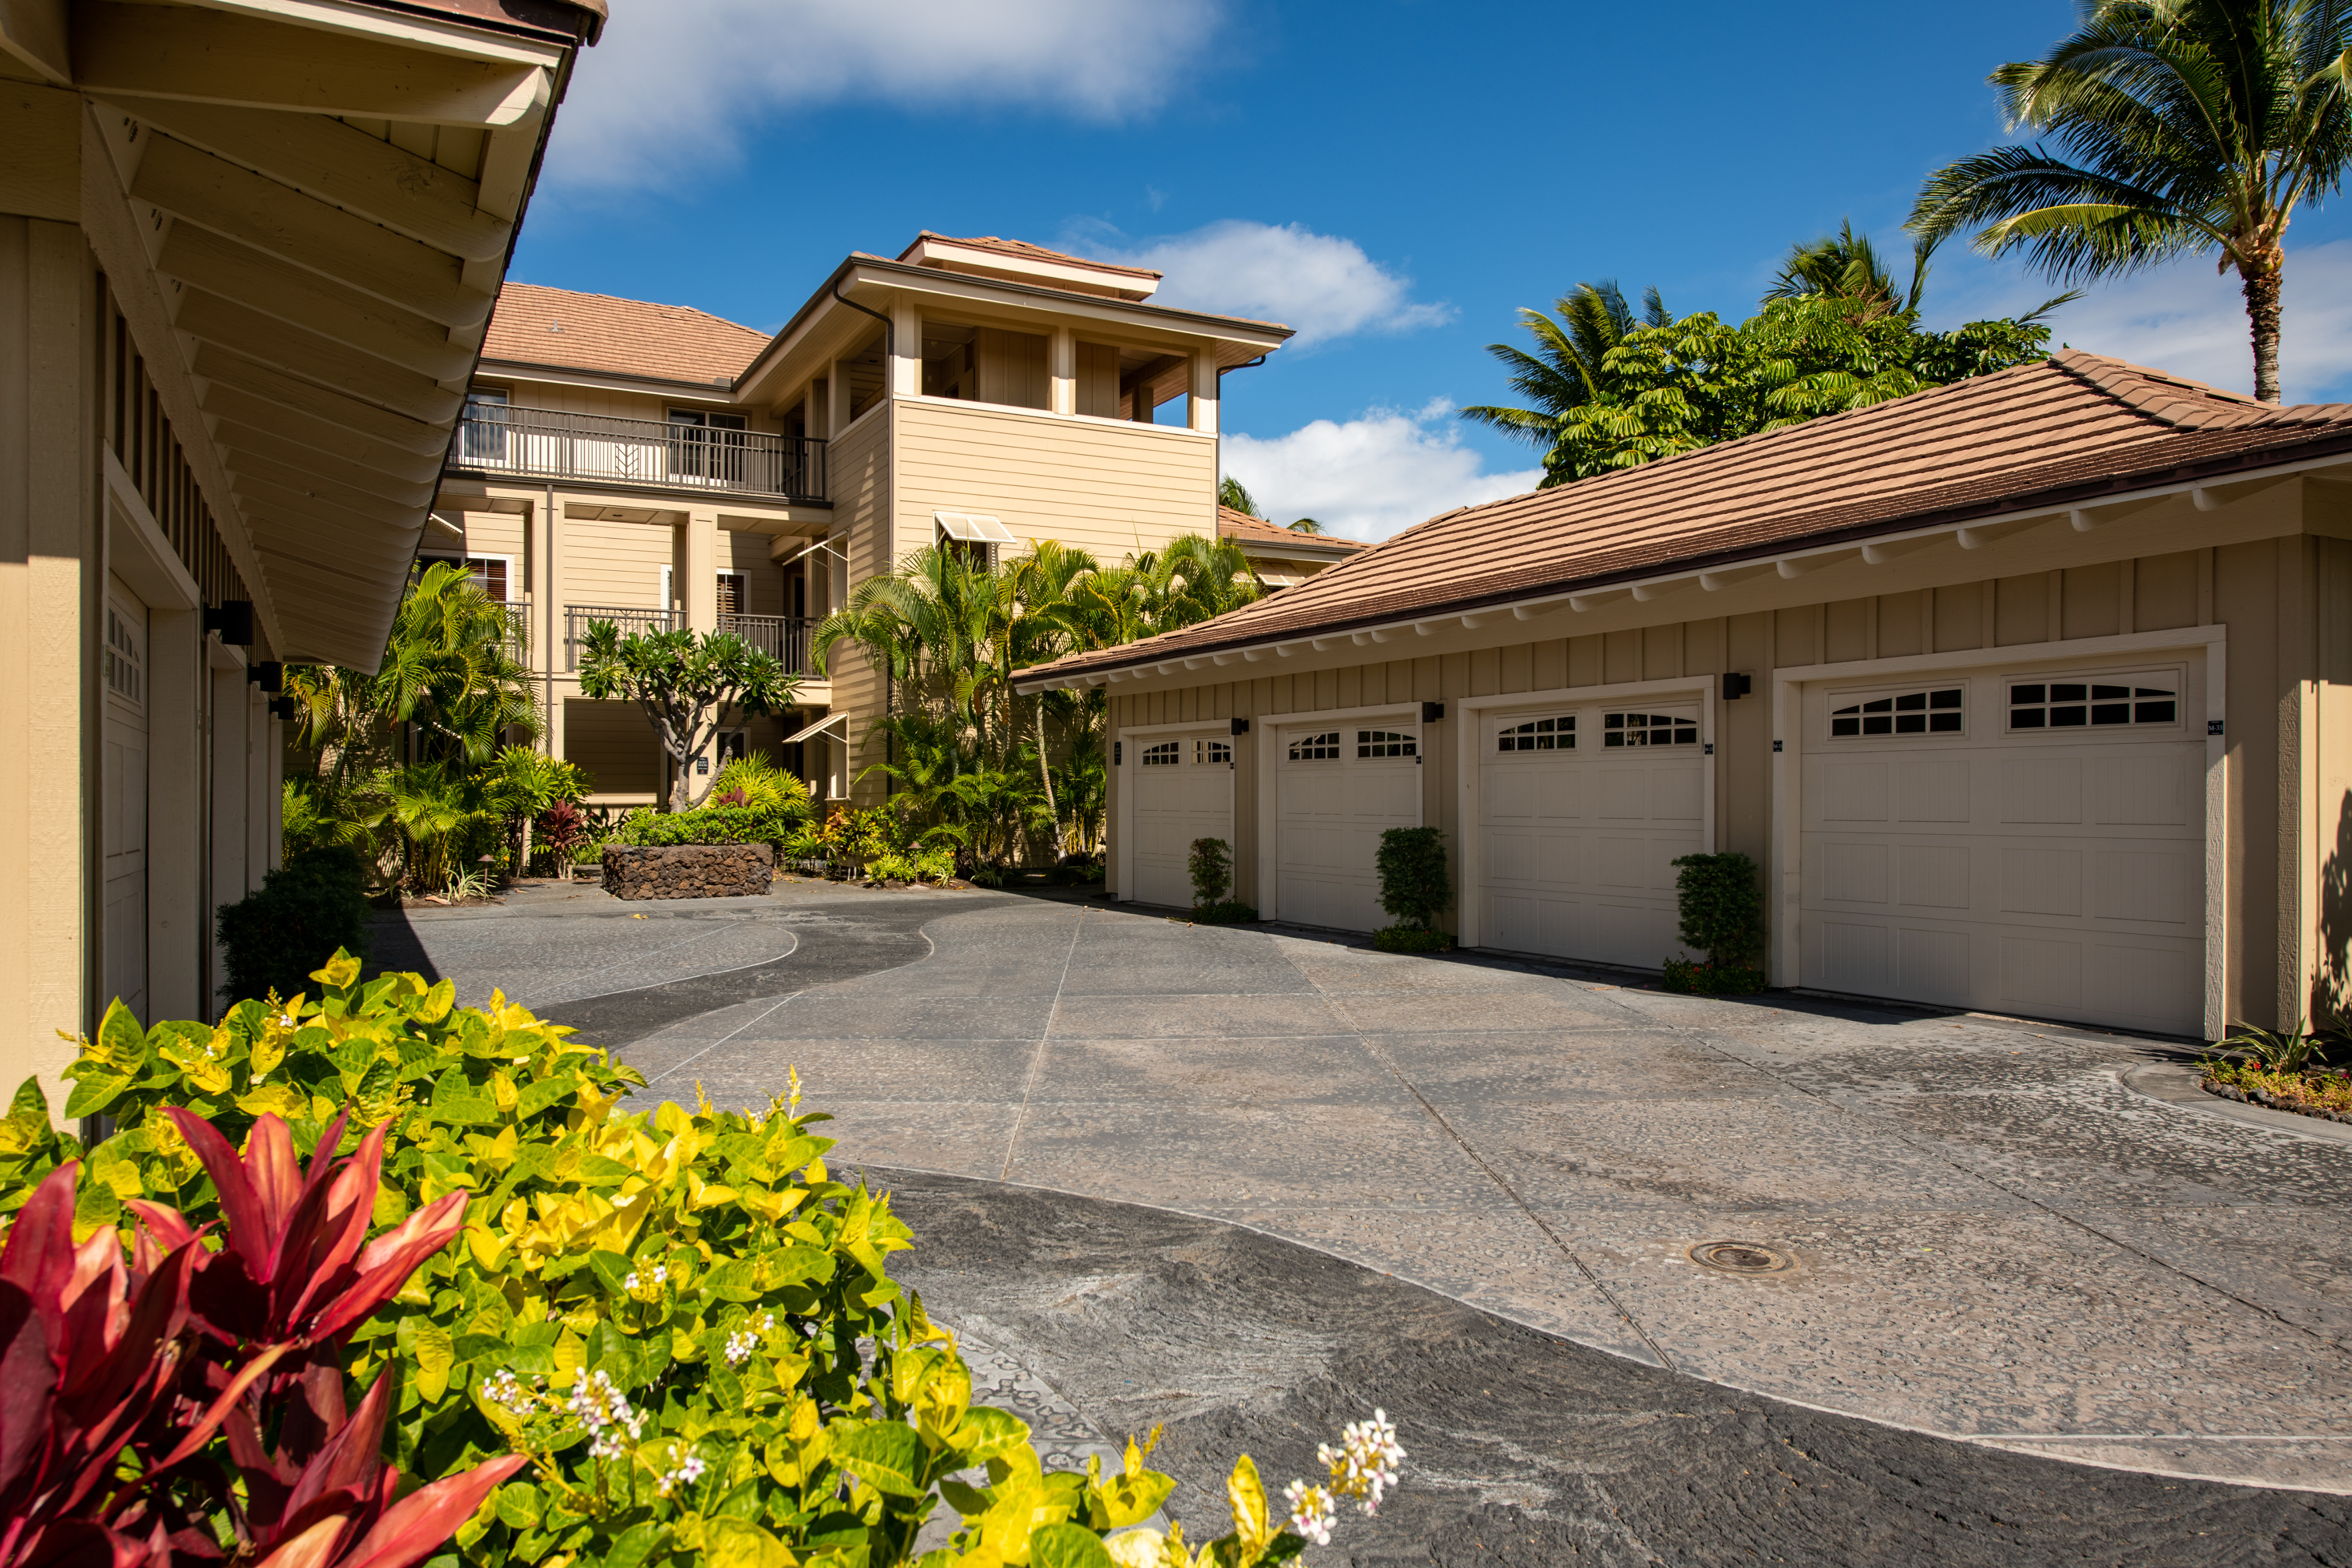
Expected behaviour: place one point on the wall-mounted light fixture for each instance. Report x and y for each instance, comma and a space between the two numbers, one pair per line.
233, 618
1736, 685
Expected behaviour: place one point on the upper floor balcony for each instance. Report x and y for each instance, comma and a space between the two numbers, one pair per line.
495, 439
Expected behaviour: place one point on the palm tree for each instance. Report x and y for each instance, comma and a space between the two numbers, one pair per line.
1845, 266
1232, 493
2187, 126
1565, 369
1305, 525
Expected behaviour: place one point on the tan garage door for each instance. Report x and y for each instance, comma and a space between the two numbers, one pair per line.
1183, 788
1581, 812
2027, 841
1338, 787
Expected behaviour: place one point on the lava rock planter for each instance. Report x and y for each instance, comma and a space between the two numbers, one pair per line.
690, 870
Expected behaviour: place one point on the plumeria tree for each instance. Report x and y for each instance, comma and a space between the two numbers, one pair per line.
690, 684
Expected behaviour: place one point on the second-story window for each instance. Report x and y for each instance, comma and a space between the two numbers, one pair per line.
485, 427
730, 593
708, 447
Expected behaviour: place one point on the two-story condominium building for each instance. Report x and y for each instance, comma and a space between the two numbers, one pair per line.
655, 466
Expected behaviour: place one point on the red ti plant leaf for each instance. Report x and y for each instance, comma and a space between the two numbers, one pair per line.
84, 1364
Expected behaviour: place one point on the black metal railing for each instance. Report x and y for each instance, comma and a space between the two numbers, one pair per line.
543, 444
628, 622
787, 637
518, 634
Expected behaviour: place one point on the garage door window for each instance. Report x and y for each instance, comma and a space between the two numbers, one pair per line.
1322, 748
1649, 730
1166, 755
1539, 735
2127, 700
1938, 712
1385, 743
1211, 751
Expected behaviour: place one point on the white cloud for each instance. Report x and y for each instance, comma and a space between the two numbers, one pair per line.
1322, 284
674, 85
2184, 318
1369, 477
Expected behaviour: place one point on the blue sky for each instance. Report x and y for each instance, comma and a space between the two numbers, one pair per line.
1392, 176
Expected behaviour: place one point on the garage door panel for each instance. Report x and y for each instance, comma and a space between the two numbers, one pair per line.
1338, 788
1578, 842
2005, 865
1853, 792
2147, 885
2141, 791
1933, 791
1176, 802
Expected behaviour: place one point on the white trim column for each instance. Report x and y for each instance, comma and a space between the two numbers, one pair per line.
1062, 369
906, 349
1201, 409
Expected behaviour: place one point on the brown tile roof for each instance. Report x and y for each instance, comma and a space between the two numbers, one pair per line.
2059, 432
622, 337
1024, 248
1241, 525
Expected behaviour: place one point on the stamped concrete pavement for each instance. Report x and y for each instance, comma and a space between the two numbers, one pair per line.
1994, 1236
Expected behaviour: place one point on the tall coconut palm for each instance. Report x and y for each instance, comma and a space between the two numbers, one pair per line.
1564, 370
1846, 265
2185, 127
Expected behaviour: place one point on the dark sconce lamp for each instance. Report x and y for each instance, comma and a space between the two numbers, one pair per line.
1430, 712
281, 707
1737, 684
1241, 726
233, 618
270, 675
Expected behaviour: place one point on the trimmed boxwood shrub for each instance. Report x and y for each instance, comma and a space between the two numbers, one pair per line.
1721, 906
297, 920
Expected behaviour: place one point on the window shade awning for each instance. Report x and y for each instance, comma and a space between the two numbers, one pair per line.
973, 528
827, 722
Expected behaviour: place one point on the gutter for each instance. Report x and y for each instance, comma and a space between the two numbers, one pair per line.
1975, 527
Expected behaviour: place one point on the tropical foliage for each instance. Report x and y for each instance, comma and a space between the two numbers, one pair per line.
1607, 389
425, 765
690, 684
2183, 127
672, 1329
968, 762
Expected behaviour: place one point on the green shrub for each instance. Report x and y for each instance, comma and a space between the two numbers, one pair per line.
1225, 911
758, 782
1721, 906
1412, 939
933, 865
679, 1315
1211, 865
707, 825
1707, 979
302, 913
1413, 883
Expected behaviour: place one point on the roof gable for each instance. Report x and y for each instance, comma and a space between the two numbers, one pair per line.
562, 328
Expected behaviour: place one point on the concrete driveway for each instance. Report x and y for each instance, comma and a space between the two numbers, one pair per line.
1991, 1234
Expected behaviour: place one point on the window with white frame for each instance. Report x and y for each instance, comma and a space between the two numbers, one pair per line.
1553, 734
1387, 743
2103, 701
1318, 748
1649, 730
1937, 710
1166, 755
1215, 753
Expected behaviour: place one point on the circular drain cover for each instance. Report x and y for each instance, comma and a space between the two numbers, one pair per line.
1740, 1257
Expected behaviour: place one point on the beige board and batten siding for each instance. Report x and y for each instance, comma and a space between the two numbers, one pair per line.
2283, 874
1107, 487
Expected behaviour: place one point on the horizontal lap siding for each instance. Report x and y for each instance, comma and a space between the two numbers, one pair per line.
1111, 490
2238, 585
617, 565
763, 580
613, 742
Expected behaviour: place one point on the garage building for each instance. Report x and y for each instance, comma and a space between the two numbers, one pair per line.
2028, 693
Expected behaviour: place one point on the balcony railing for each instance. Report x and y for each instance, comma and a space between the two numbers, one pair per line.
538, 443
517, 642
628, 622
787, 637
